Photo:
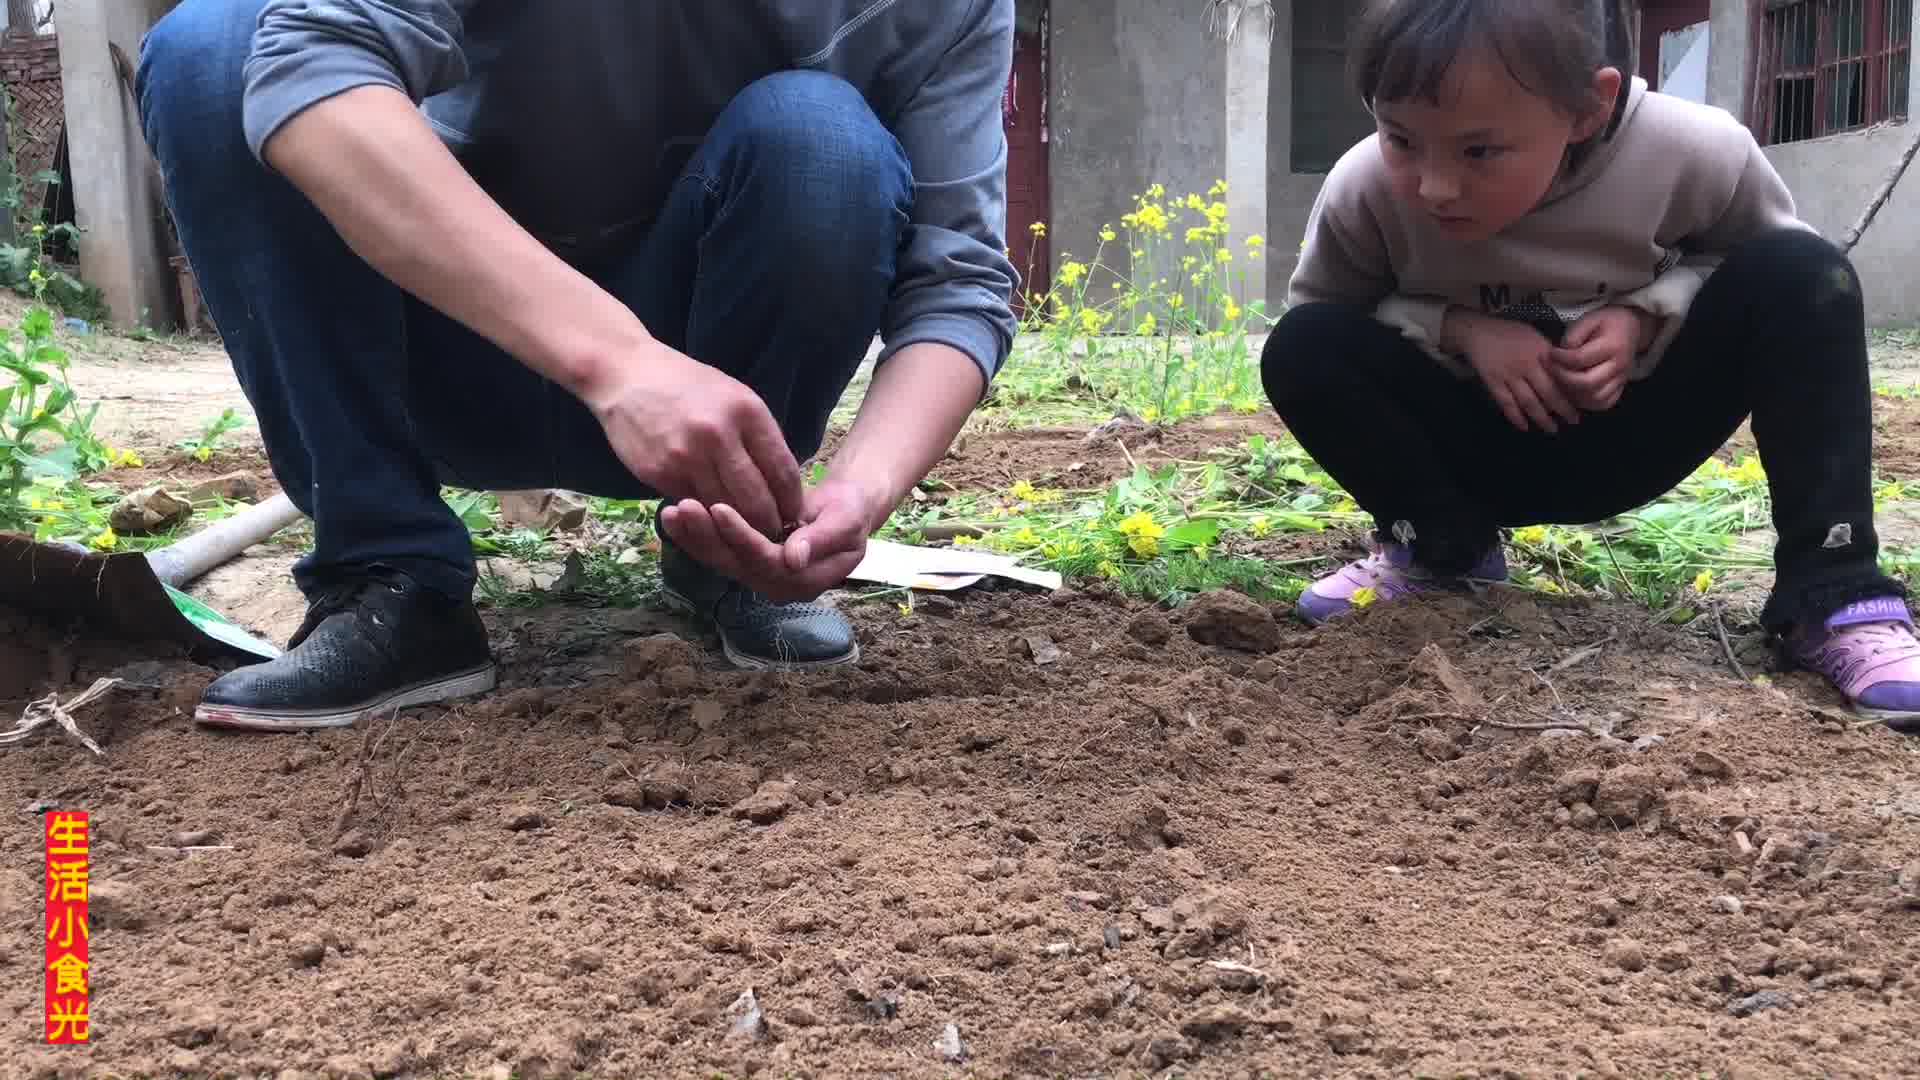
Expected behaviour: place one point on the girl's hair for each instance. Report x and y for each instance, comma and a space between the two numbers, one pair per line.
1402, 50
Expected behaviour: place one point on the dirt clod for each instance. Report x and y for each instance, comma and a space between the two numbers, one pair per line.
1215, 1023
523, 818
353, 844
658, 652
1627, 794
1626, 954
1232, 620
768, 804
1150, 627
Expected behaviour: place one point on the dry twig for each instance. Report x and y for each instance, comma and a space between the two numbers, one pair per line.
1720, 627
1581, 655
51, 710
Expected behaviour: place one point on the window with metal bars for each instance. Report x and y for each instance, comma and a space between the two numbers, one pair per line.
1827, 66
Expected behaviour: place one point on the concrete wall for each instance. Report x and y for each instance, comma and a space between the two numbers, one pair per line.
1138, 96
1833, 178
1290, 194
117, 199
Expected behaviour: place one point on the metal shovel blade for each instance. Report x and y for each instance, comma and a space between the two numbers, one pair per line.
138, 596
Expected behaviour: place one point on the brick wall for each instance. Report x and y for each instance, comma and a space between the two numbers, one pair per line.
30, 70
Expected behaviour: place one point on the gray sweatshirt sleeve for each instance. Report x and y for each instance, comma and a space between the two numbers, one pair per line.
305, 51
954, 282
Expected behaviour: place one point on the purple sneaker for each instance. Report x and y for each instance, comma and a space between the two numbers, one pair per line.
1390, 574
1867, 650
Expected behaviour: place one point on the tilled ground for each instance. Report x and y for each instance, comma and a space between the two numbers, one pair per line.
1214, 842
1026, 836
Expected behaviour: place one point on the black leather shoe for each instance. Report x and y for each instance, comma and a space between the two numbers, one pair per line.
366, 647
755, 632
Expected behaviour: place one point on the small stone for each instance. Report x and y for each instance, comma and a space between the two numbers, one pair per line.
1728, 905
1765, 999
149, 510
1742, 846
1626, 954
1584, 816
586, 960
1110, 937
1647, 742
353, 843
1040, 648
308, 951
523, 818
545, 510
1263, 670
768, 804
949, 1045
748, 1023
193, 838
233, 487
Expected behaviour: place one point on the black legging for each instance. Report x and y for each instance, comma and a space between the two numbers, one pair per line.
1777, 332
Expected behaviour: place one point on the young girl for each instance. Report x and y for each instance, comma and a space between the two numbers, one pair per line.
1541, 293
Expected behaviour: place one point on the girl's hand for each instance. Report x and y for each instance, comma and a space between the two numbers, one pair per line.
1511, 358
1592, 366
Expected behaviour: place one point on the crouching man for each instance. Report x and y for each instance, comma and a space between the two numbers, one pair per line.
635, 250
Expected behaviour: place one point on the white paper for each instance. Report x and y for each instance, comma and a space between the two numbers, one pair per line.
943, 569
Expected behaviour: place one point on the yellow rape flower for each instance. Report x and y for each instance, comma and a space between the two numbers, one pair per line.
1038, 228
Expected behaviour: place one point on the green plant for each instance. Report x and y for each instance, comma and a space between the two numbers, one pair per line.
1162, 332
202, 448
44, 434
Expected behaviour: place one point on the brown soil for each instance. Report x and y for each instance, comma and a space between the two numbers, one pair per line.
1074, 457
1317, 857
1208, 842
179, 469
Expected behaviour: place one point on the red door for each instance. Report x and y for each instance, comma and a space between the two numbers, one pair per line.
1024, 116
1659, 17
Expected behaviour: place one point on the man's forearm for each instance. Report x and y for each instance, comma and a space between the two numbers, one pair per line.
919, 400
370, 163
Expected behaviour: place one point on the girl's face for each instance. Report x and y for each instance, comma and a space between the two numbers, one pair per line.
1485, 156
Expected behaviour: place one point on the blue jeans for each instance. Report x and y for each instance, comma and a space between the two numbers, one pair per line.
770, 260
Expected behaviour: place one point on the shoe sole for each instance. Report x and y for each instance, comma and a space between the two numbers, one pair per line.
1906, 723
233, 718
753, 663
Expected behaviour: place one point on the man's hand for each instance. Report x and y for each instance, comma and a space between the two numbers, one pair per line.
837, 518
1511, 358
693, 432
1593, 363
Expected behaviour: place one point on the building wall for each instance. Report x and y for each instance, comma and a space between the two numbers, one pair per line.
1138, 94
1290, 192
1833, 178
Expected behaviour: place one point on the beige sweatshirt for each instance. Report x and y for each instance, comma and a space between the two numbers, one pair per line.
1642, 222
